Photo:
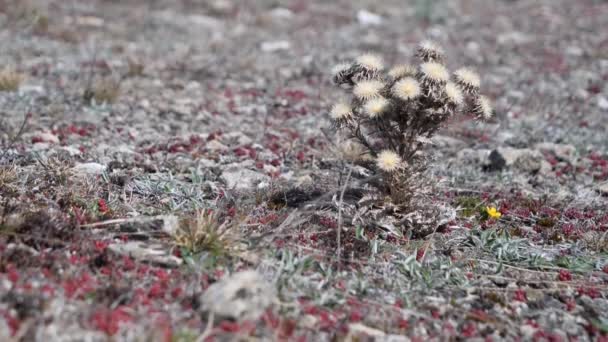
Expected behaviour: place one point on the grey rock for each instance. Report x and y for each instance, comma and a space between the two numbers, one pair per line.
603, 189
89, 169
525, 160
561, 151
445, 141
367, 18
239, 178
273, 46
243, 295
473, 156
147, 251
602, 103
514, 38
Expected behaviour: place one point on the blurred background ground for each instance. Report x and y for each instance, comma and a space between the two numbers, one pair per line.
146, 108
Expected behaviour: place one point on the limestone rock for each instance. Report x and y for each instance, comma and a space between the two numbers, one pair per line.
243, 295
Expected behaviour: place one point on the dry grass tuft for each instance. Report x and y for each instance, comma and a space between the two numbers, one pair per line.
105, 90
7, 176
10, 80
204, 233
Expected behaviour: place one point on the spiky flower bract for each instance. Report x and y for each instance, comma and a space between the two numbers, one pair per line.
368, 89
434, 72
468, 79
454, 94
340, 67
483, 107
430, 51
370, 62
406, 89
402, 70
388, 161
353, 151
339, 72
340, 111
375, 107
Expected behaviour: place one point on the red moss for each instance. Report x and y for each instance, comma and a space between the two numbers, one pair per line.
109, 321
102, 206
403, 323
420, 254
100, 246
468, 330
564, 275
520, 295
570, 304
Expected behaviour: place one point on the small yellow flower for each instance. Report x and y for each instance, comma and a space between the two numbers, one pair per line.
493, 212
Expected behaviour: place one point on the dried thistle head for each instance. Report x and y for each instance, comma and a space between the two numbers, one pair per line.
434, 73
340, 72
368, 89
375, 107
468, 79
353, 151
10, 80
429, 51
406, 89
402, 70
341, 111
454, 95
483, 107
370, 62
388, 161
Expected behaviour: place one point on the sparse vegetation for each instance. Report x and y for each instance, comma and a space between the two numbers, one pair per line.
211, 202
204, 233
10, 79
103, 90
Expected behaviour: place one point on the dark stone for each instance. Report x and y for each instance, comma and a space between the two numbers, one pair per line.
496, 162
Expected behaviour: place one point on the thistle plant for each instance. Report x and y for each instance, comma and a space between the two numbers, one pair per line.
393, 114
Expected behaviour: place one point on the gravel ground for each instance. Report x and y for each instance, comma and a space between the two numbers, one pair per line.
139, 122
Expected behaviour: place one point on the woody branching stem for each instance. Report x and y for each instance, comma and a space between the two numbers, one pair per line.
391, 115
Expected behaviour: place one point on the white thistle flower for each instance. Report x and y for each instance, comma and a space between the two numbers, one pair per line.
467, 78
402, 70
388, 161
340, 111
430, 51
370, 62
435, 72
368, 89
340, 67
375, 107
454, 94
406, 89
483, 107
